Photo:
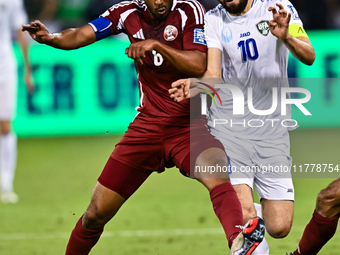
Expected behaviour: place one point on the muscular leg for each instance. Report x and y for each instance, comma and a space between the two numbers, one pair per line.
8, 155
105, 203
245, 195
278, 217
223, 196
328, 201
324, 222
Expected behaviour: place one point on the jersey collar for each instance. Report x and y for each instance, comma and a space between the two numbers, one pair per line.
174, 3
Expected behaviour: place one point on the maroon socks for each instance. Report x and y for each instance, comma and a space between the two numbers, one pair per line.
82, 240
226, 206
317, 233
228, 209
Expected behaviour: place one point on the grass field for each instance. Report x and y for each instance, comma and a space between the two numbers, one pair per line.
169, 214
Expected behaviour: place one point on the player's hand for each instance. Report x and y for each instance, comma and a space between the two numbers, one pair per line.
137, 50
280, 23
38, 32
180, 90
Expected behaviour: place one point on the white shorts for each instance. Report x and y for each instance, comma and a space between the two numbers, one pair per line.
8, 89
264, 164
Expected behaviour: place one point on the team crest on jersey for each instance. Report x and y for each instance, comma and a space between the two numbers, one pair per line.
170, 33
263, 27
227, 34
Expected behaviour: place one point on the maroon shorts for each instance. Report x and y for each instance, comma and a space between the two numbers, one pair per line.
153, 144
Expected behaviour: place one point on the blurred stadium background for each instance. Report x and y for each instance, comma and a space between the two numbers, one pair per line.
83, 102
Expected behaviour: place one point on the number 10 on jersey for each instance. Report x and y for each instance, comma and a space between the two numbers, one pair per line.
248, 50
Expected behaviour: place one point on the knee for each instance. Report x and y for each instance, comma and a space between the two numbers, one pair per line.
212, 163
216, 170
94, 218
5, 128
278, 217
211, 183
328, 199
278, 230
3, 132
221, 162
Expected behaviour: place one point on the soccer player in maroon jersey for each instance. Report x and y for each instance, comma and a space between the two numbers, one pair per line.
324, 221
167, 44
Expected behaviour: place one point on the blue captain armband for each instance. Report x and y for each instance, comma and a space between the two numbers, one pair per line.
101, 27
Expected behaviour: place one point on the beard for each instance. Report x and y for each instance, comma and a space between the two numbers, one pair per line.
235, 9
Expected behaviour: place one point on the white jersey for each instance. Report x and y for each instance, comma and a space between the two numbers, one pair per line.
251, 58
12, 16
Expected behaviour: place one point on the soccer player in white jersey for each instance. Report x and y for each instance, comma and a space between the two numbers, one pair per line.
248, 43
12, 15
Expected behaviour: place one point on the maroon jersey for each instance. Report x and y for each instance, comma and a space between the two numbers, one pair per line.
182, 29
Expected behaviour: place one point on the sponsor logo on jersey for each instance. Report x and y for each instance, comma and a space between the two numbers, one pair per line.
170, 33
227, 34
199, 36
263, 27
244, 34
139, 34
295, 14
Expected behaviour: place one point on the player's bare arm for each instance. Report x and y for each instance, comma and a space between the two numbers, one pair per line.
300, 47
23, 42
190, 62
186, 88
69, 39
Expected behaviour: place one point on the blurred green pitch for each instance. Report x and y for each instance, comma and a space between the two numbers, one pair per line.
55, 178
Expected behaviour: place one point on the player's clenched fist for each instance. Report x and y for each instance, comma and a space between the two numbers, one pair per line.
38, 32
137, 50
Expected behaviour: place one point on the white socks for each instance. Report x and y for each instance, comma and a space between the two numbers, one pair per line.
8, 158
263, 248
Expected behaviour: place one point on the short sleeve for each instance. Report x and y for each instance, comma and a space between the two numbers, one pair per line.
212, 31
289, 7
193, 33
114, 15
